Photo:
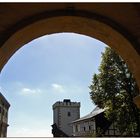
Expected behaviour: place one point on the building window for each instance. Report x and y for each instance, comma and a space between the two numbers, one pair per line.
76, 128
84, 129
0, 109
89, 127
69, 114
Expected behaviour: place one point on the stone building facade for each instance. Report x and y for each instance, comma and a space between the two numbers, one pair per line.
63, 114
96, 125
90, 124
4, 107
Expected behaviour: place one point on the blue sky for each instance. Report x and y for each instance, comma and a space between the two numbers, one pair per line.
48, 69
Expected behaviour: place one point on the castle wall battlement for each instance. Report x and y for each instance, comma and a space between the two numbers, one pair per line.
66, 103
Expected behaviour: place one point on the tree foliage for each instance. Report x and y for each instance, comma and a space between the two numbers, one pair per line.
114, 88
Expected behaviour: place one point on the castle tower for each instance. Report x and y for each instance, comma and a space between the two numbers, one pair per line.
63, 114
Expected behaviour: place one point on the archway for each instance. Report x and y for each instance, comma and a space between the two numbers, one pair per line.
81, 22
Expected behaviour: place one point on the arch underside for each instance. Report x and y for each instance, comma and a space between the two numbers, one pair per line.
76, 24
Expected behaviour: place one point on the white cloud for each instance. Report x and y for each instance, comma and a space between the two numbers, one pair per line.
28, 91
58, 88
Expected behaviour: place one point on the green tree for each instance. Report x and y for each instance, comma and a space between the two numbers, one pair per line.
114, 88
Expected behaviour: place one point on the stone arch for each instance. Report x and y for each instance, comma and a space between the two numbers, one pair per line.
80, 22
